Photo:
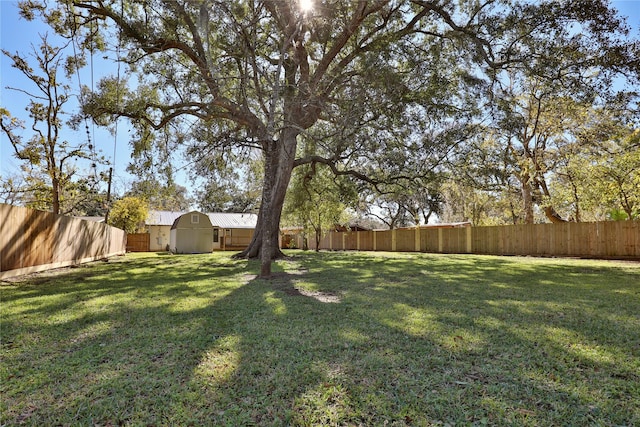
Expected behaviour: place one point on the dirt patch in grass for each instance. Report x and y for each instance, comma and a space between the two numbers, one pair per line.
320, 296
287, 282
41, 277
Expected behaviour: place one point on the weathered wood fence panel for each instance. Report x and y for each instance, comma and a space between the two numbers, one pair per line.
429, 240
614, 239
382, 240
454, 240
351, 241
138, 242
33, 241
366, 240
487, 240
327, 241
405, 240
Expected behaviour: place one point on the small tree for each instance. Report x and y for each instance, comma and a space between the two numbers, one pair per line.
129, 214
315, 201
48, 160
619, 172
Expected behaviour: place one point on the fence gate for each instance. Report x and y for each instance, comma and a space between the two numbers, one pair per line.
138, 242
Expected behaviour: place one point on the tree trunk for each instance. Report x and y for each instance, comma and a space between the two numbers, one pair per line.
549, 211
279, 157
318, 234
576, 200
552, 215
527, 201
627, 205
55, 194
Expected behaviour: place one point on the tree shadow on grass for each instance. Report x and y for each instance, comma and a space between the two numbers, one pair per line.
201, 341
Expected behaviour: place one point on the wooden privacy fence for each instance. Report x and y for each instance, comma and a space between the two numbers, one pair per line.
33, 241
615, 239
138, 242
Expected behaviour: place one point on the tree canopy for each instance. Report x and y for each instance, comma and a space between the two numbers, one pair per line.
129, 214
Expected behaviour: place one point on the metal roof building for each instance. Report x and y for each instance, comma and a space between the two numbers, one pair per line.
230, 230
162, 217
233, 220
218, 219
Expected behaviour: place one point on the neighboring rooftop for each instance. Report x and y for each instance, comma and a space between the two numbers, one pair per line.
162, 217
233, 220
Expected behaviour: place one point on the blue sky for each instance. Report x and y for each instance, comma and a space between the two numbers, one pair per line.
17, 34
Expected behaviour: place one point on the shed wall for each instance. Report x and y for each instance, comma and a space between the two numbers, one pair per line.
159, 237
193, 240
187, 237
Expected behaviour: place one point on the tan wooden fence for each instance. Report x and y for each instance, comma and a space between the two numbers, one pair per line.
614, 239
32, 241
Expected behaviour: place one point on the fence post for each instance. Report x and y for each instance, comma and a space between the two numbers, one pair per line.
393, 240
600, 239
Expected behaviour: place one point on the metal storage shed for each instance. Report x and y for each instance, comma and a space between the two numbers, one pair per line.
191, 233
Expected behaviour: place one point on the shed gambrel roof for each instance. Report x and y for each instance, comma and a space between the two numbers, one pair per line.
218, 219
200, 224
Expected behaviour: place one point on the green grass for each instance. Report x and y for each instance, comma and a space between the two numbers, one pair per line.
333, 339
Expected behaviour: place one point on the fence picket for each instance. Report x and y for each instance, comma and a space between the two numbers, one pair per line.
33, 241
611, 239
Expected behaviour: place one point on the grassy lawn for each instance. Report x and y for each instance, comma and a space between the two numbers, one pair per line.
333, 339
